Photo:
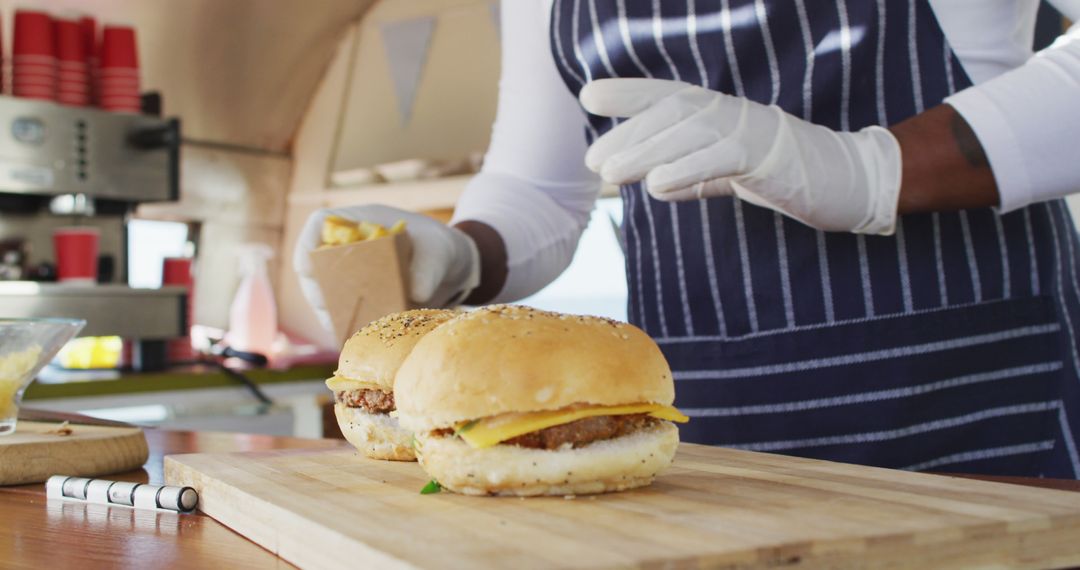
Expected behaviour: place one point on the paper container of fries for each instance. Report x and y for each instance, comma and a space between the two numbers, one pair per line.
363, 280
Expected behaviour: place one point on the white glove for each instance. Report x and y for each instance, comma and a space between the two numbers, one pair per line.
445, 263
688, 142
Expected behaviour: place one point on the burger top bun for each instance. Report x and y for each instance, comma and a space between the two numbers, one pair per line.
374, 353
506, 358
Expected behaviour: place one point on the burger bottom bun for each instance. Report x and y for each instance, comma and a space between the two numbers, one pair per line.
377, 436
610, 465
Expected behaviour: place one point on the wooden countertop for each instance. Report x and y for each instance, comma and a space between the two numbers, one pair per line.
38, 534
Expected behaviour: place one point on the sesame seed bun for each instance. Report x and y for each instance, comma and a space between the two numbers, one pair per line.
610, 465
377, 436
374, 353
372, 357
507, 358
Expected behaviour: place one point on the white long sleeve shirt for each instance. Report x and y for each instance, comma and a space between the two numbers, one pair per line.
535, 190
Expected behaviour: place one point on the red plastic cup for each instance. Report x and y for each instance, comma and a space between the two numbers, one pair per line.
76, 251
33, 34
117, 87
69, 42
33, 56
73, 78
177, 271
118, 48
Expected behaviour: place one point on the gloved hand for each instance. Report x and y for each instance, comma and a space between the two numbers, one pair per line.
688, 142
445, 262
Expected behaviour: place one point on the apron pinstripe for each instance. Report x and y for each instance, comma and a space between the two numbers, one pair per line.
948, 346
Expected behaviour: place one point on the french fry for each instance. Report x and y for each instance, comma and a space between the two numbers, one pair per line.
378, 232
340, 231
367, 229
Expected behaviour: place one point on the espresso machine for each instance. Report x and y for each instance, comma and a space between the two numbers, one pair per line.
63, 166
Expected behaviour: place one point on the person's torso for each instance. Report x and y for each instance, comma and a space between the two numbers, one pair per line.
915, 350
724, 268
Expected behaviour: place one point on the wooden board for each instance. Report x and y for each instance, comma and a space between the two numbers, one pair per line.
714, 508
36, 452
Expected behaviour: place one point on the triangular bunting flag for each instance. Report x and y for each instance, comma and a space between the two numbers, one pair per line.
406, 44
494, 7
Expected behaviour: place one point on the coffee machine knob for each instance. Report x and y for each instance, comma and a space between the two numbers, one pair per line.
151, 138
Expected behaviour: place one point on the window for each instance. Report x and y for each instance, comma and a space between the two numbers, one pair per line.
595, 282
150, 242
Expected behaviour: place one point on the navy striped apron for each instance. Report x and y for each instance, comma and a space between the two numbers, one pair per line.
949, 346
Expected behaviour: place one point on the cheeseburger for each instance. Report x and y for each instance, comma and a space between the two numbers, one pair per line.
508, 400
363, 384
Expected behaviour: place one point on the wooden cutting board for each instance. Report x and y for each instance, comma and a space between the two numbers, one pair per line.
714, 508
36, 451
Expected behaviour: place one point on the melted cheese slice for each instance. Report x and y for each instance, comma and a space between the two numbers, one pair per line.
339, 384
492, 431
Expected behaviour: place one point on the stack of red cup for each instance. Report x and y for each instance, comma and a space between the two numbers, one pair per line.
33, 56
73, 74
118, 76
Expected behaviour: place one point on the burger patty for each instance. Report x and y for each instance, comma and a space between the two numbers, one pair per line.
577, 433
582, 432
372, 401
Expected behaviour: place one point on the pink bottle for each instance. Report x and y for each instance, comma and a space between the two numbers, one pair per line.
253, 314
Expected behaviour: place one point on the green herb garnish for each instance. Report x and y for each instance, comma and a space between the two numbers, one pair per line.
466, 427
431, 488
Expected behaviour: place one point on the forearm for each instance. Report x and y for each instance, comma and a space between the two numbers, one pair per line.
525, 237
1006, 142
493, 265
944, 166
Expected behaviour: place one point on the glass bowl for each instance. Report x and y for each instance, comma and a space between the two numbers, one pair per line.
26, 346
